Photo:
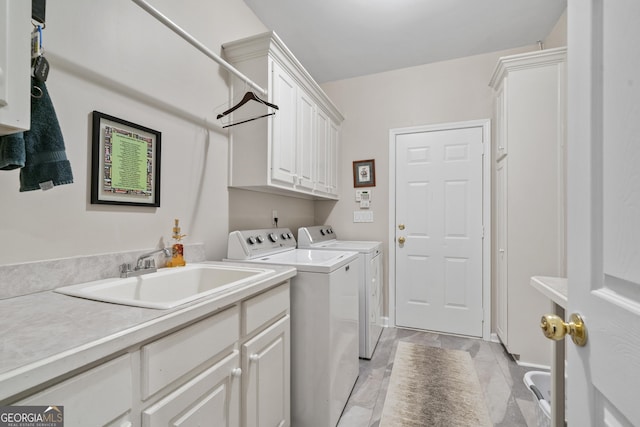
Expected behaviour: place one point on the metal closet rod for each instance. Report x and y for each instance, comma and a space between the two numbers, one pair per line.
194, 42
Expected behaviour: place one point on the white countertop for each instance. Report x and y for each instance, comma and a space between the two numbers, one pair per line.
46, 334
555, 288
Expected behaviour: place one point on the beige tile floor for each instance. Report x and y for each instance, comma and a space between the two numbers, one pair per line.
507, 398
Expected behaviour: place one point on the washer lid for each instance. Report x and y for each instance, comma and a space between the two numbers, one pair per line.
310, 260
361, 246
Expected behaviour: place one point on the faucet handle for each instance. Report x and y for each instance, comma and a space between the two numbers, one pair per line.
124, 269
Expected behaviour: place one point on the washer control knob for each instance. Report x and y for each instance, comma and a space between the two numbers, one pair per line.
251, 240
273, 237
290, 235
285, 236
322, 231
260, 239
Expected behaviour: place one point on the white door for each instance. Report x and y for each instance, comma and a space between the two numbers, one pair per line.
604, 211
438, 253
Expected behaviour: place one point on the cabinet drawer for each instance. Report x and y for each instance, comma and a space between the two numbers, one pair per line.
95, 397
210, 399
168, 359
264, 308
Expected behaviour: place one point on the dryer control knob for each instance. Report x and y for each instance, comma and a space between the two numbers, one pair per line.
251, 240
322, 231
260, 239
273, 237
290, 235
285, 236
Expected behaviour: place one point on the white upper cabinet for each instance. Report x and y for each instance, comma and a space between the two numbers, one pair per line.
295, 151
15, 55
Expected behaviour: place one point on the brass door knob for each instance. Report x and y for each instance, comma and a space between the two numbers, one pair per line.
401, 240
401, 226
554, 328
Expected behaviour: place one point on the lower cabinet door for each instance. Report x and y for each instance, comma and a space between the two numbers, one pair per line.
210, 399
266, 377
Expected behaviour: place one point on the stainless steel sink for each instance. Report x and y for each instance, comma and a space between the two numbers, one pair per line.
167, 288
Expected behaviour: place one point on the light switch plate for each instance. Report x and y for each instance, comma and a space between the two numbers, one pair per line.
362, 216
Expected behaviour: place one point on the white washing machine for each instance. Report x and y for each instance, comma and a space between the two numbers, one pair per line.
323, 237
324, 320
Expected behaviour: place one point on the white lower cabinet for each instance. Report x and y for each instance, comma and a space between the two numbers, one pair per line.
230, 369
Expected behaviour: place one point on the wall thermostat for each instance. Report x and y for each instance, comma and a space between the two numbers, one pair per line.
364, 197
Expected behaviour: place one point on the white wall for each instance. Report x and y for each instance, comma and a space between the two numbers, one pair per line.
558, 35
115, 58
251, 209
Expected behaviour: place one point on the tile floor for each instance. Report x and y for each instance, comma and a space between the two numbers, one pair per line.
509, 402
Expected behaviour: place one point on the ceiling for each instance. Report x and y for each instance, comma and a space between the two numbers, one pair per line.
338, 39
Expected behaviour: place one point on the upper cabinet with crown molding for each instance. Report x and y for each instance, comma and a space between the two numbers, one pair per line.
295, 151
15, 66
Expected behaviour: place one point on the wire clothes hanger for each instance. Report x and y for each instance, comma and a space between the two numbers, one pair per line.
249, 96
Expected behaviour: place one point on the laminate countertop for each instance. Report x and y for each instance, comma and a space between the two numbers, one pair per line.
555, 288
47, 335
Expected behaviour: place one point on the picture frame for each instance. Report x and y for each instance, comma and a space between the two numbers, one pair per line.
125, 162
364, 173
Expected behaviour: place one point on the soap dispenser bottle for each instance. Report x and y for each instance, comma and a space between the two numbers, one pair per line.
177, 250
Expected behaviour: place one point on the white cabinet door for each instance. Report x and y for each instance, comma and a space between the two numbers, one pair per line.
266, 381
306, 141
210, 399
322, 151
283, 142
501, 252
15, 58
332, 158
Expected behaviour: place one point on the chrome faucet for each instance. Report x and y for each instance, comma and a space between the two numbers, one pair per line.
144, 264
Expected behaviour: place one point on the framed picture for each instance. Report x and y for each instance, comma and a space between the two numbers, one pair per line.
125, 163
364, 173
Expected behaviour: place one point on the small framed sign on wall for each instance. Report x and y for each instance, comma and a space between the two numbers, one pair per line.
364, 173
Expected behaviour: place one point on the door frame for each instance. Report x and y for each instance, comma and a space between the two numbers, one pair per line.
485, 124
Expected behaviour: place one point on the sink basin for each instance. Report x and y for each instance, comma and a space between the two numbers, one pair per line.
168, 287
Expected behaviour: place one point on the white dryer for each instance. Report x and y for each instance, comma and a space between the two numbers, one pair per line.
323, 237
324, 320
